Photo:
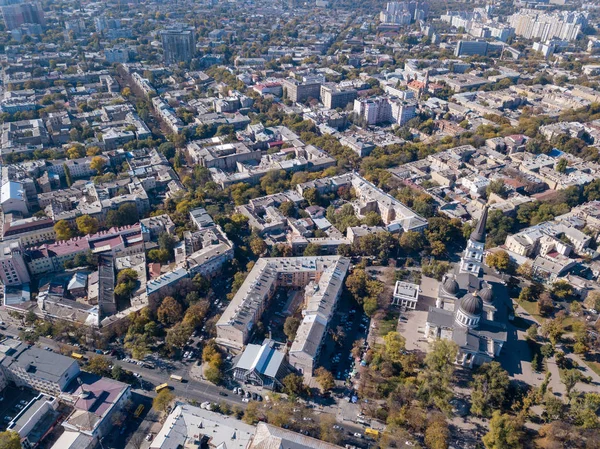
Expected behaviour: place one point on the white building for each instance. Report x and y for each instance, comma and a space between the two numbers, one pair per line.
406, 295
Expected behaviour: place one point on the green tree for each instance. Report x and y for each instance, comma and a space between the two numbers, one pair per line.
570, 377
290, 327
312, 250
434, 381
117, 372
312, 196
125, 215
411, 241
167, 242
169, 312
288, 208
68, 178
258, 246
561, 165
497, 187
293, 385
490, 386
506, 432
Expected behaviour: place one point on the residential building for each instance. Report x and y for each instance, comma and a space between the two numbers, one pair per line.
298, 91
334, 98
13, 270
321, 278
268, 436
179, 44
190, 426
35, 368
18, 14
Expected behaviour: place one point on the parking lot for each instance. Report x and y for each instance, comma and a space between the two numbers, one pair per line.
349, 324
14, 399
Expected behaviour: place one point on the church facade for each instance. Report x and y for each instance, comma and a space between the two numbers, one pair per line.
468, 309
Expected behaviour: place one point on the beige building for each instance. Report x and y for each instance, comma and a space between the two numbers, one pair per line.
322, 278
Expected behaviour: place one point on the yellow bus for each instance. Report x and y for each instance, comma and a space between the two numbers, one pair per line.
373, 433
139, 410
77, 356
161, 387
175, 377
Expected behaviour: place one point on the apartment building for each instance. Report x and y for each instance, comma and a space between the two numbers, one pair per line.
321, 278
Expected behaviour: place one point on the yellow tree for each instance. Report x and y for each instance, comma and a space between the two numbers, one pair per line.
98, 163
63, 230
87, 225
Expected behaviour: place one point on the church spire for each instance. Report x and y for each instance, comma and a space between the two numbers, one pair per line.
478, 233
472, 259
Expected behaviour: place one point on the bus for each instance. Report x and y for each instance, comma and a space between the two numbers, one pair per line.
161, 387
373, 433
77, 356
139, 410
177, 378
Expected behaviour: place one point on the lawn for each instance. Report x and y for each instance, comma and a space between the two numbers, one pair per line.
388, 324
594, 366
531, 308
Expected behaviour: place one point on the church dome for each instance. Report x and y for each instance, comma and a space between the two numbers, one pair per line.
471, 304
487, 295
450, 286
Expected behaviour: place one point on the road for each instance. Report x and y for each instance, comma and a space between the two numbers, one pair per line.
191, 390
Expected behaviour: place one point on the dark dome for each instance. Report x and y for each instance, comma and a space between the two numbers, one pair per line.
486, 294
450, 286
471, 304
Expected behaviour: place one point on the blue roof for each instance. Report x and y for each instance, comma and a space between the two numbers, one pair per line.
556, 153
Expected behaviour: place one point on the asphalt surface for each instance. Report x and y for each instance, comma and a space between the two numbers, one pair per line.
134, 433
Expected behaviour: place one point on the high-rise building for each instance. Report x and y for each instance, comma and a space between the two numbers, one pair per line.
374, 110
534, 24
13, 270
471, 48
403, 13
16, 15
179, 44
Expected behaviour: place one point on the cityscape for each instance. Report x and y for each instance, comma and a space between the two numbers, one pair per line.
299, 224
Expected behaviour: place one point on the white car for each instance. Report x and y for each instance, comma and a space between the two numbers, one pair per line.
138, 375
358, 435
245, 400
149, 437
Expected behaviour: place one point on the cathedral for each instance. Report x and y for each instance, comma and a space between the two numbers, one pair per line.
468, 309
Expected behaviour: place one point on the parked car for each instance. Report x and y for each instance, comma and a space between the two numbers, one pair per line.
358, 435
